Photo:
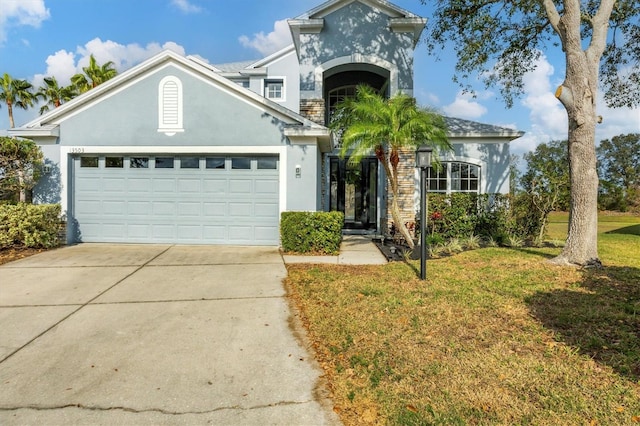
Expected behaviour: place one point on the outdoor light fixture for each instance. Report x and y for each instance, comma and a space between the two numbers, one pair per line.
423, 162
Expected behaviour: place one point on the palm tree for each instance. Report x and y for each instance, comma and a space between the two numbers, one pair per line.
16, 93
94, 75
369, 123
54, 95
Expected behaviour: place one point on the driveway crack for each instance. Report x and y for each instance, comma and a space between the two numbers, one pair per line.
154, 410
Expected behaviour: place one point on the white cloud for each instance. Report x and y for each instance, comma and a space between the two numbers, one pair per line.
64, 64
270, 43
547, 115
549, 118
185, 6
616, 121
464, 106
20, 12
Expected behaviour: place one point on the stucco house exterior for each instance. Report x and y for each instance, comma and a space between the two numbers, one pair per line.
176, 150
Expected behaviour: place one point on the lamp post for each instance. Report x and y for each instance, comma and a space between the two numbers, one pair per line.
423, 162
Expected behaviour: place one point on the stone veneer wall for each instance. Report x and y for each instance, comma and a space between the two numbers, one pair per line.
312, 109
406, 188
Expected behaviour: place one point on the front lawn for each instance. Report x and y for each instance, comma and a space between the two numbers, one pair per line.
494, 336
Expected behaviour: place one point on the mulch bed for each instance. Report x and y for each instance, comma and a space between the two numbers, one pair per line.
9, 254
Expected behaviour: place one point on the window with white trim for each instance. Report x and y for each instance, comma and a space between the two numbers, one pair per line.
454, 177
274, 89
170, 106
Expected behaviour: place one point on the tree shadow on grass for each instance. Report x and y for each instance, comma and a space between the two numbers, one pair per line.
600, 317
631, 230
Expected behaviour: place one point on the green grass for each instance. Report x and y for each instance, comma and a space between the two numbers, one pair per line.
494, 336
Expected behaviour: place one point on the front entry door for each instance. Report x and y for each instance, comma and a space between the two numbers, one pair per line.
354, 192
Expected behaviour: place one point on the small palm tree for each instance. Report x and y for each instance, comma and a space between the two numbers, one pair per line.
94, 75
369, 123
15, 93
54, 95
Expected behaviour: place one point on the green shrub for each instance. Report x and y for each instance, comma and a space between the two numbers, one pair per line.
311, 232
28, 225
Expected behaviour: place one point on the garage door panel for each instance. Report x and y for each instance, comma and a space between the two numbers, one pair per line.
240, 186
268, 187
238, 210
139, 185
166, 208
218, 186
266, 210
167, 186
163, 232
138, 231
191, 206
189, 186
189, 209
215, 210
111, 208
138, 208
88, 207
118, 185
240, 233
266, 233
113, 230
215, 232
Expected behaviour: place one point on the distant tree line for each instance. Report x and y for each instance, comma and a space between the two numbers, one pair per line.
17, 93
546, 175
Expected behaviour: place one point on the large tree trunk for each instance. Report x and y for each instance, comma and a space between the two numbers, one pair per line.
578, 95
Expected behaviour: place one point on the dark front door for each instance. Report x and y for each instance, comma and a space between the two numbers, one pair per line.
354, 192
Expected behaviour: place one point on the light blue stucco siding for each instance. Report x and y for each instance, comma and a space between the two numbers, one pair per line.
288, 69
301, 190
492, 156
356, 29
49, 187
212, 116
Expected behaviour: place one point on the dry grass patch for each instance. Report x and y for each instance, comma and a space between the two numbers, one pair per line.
495, 336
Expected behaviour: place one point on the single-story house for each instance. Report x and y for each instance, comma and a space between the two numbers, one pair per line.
176, 150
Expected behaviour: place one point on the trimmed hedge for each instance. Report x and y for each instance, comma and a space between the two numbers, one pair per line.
28, 225
311, 232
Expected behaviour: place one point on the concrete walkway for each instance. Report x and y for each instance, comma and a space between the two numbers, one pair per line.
354, 250
105, 334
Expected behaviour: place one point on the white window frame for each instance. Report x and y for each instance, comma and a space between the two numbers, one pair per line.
265, 93
447, 169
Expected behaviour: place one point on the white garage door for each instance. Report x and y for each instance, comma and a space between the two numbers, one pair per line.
177, 199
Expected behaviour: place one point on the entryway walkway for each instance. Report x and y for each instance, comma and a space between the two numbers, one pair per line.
354, 250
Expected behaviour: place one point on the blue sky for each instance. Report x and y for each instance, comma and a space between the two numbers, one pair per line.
55, 37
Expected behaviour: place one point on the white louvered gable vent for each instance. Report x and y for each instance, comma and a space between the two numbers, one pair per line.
170, 106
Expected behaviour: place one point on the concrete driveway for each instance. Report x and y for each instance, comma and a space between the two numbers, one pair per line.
153, 334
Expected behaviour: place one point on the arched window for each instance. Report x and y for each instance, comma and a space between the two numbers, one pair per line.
454, 177
170, 106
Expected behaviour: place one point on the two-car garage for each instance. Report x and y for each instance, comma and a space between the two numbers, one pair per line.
187, 199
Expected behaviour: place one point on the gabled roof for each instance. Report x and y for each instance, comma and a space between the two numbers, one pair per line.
400, 20
47, 125
330, 6
465, 128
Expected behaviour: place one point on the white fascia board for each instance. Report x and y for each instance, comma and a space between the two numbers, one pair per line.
498, 136
265, 62
255, 72
47, 131
332, 5
305, 136
408, 25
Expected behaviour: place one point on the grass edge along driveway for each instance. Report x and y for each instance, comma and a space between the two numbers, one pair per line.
494, 336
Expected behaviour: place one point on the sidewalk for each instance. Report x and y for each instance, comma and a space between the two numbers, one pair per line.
355, 250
